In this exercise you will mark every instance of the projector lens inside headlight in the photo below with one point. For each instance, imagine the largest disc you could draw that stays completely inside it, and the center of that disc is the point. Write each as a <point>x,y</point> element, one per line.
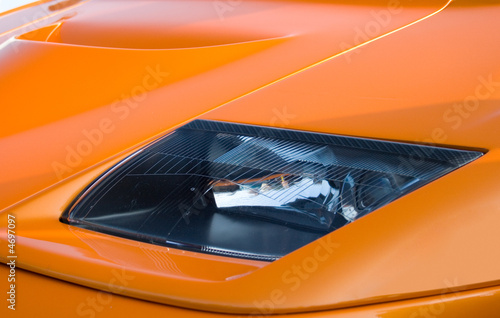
<point>253,192</point>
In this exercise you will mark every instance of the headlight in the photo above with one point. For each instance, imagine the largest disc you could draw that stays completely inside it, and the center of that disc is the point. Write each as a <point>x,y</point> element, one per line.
<point>253,192</point>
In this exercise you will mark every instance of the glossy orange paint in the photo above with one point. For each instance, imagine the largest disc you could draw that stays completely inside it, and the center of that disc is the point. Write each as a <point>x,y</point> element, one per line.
<point>86,302</point>
<point>251,46</point>
<point>90,96</point>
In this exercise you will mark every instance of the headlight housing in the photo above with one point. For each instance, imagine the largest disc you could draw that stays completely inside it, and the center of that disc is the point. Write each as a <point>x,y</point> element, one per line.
<point>250,191</point>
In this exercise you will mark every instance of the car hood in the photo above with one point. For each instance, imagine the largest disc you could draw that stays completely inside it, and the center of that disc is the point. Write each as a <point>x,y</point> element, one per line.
<point>144,68</point>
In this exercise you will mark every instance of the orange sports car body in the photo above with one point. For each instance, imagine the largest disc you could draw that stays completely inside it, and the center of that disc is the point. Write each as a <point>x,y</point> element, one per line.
<point>405,93</point>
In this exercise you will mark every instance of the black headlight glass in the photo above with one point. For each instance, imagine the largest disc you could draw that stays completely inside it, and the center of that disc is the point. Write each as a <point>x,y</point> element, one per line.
<point>253,192</point>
